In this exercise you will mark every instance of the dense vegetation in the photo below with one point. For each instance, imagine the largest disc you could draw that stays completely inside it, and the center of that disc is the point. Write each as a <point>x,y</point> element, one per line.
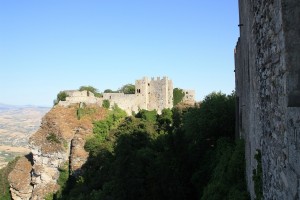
<point>184,153</point>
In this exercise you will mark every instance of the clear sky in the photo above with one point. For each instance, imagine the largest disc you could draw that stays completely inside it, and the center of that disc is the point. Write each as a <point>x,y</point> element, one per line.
<point>51,45</point>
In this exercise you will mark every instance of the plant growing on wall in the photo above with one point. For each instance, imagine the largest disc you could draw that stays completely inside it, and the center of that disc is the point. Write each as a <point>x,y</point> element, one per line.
<point>127,89</point>
<point>91,89</point>
<point>178,95</point>
<point>257,176</point>
<point>61,96</point>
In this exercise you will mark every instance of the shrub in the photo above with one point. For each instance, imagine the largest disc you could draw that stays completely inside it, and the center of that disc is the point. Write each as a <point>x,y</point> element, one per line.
<point>61,96</point>
<point>147,115</point>
<point>53,138</point>
<point>84,111</point>
<point>106,103</point>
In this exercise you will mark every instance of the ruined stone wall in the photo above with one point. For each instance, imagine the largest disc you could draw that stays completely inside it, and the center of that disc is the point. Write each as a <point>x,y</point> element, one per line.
<point>75,97</point>
<point>267,76</point>
<point>154,94</point>
<point>189,97</point>
<point>127,102</point>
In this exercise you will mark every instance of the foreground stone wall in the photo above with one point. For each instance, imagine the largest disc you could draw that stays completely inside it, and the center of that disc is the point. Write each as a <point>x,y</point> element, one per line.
<point>267,59</point>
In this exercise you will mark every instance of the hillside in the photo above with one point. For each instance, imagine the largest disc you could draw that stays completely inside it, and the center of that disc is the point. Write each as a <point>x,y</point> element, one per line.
<point>58,141</point>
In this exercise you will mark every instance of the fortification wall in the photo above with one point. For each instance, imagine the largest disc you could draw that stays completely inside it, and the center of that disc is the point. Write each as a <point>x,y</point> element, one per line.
<point>189,97</point>
<point>127,102</point>
<point>149,95</point>
<point>160,94</point>
<point>75,97</point>
<point>267,81</point>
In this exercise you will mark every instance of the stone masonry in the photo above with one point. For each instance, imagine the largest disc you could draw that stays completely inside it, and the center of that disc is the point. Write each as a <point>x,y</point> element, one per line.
<point>149,94</point>
<point>267,69</point>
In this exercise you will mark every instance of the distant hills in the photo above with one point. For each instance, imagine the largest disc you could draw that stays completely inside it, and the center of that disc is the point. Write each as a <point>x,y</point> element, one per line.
<point>8,107</point>
<point>17,124</point>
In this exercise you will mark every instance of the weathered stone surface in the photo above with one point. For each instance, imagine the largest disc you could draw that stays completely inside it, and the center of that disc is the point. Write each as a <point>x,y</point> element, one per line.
<point>19,179</point>
<point>267,83</point>
<point>51,149</point>
<point>150,94</point>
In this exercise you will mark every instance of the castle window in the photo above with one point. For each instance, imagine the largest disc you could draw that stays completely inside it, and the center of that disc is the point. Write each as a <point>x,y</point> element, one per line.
<point>109,97</point>
<point>138,90</point>
<point>148,84</point>
<point>186,92</point>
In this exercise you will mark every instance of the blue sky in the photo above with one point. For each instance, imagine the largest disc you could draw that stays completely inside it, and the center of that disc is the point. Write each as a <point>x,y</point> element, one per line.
<point>52,45</point>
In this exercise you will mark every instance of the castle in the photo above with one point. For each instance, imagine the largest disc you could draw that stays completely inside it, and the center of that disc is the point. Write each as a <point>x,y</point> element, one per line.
<point>150,94</point>
<point>267,70</point>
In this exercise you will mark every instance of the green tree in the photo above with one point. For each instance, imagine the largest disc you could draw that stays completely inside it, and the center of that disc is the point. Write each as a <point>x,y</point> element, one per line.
<point>127,89</point>
<point>109,91</point>
<point>178,95</point>
<point>61,96</point>
<point>91,89</point>
<point>147,115</point>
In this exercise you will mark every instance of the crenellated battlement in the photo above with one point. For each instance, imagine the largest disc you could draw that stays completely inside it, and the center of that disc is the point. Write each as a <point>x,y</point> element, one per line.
<point>150,94</point>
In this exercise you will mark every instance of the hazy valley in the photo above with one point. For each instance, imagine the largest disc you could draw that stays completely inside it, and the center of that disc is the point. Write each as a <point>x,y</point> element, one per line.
<point>17,123</point>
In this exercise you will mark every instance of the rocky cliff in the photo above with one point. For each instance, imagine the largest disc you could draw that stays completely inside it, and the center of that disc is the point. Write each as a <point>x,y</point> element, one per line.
<point>59,142</point>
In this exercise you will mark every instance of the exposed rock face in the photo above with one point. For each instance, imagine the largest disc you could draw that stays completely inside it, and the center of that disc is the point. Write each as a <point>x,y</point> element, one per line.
<point>268,93</point>
<point>59,141</point>
<point>20,180</point>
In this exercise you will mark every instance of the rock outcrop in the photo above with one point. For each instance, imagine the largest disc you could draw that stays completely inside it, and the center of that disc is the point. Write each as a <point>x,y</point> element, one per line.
<point>59,142</point>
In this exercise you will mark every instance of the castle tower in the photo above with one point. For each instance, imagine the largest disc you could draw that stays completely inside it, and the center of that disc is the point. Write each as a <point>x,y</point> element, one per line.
<point>160,94</point>
<point>142,93</point>
<point>154,94</point>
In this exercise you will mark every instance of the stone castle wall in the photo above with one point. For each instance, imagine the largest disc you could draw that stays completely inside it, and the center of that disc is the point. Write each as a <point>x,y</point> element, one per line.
<point>267,59</point>
<point>150,94</point>
<point>127,102</point>
<point>75,97</point>
<point>189,97</point>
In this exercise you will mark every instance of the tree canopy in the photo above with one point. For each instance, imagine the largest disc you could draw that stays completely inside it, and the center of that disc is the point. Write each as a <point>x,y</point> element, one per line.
<point>127,89</point>
<point>61,96</point>
<point>91,89</point>
<point>178,95</point>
